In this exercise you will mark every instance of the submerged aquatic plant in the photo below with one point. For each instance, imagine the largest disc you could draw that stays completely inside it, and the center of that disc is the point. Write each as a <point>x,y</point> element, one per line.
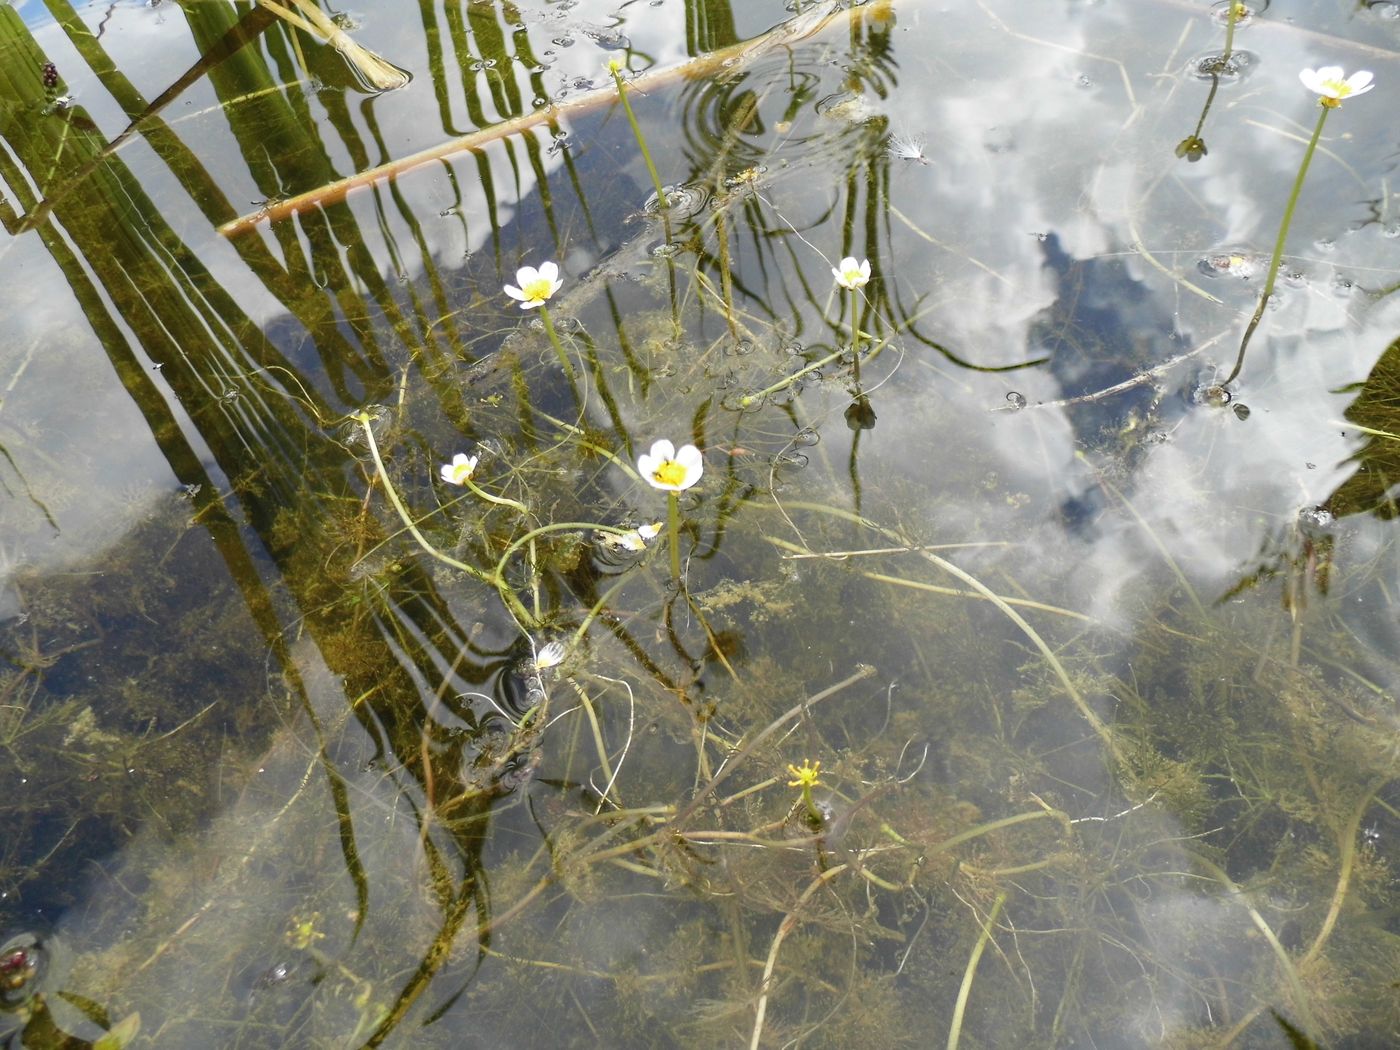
<point>534,288</point>
<point>672,471</point>
<point>1332,85</point>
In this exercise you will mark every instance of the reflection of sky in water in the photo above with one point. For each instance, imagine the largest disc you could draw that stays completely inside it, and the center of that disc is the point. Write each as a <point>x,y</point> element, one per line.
<point>1034,148</point>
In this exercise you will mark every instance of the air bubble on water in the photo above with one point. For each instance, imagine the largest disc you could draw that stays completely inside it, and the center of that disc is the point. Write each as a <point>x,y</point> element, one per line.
<point>1016,400</point>
<point>741,347</point>
<point>1241,411</point>
<point>806,437</point>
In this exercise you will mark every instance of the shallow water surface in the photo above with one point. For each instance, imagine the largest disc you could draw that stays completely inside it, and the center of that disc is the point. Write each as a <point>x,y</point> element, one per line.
<point>1028,680</point>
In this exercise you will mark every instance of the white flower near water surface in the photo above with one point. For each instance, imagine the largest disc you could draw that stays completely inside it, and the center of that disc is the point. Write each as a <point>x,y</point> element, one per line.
<point>535,286</point>
<point>461,467</point>
<point>668,469</point>
<point>1334,85</point>
<point>851,273</point>
<point>551,654</point>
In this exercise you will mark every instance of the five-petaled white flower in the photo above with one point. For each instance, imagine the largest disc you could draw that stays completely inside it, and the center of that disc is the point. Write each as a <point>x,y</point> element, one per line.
<point>852,274</point>
<point>665,468</point>
<point>461,467</point>
<point>536,286</point>
<point>1333,85</point>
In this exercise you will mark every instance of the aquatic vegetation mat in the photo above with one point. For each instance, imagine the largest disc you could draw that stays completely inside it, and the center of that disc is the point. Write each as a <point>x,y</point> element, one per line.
<point>752,540</point>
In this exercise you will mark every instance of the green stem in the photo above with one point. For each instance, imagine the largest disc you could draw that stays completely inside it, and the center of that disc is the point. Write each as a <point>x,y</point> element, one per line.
<point>726,279</point>
<point>558,346</point>
<point>673,522</point>
<point>1278,246</point>
<point>500,501</point>
<point>855,336</point>
<point>960,1007</point>
<point>497,580</point>
<point>1232,18</point>
<point>814,815</point>
<point>641,142</point>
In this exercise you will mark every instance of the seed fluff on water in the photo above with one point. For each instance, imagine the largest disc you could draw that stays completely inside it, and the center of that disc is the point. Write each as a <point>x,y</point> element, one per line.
<point>907,147</point>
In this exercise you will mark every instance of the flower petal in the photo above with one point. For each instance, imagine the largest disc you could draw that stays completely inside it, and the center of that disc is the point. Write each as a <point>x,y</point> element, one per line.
<point>514,292</point>
<point>1360,81</point>
<point>663,449</point>
<point>549,271</point>
<point>527,275</point>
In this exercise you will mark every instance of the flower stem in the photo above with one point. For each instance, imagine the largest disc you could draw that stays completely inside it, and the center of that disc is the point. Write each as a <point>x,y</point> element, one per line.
<point>1278,246</point>
<point>501,501</point>
<point>673,522</point>
<point>855,336</point>
<point>495,579</point>
<point>641,142</point>
<point>558,346</point>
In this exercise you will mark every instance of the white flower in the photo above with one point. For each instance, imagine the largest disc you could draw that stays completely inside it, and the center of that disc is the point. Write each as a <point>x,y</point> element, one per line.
<point>536,286</point>
<point>852,274</point>
<point>665,468</point>
<point>551,654</point>
<point>461,467</point>
<point>1333,85</point>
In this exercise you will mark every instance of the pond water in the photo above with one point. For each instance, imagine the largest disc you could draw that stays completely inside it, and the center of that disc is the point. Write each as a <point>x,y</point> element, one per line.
<point>1028,679</point>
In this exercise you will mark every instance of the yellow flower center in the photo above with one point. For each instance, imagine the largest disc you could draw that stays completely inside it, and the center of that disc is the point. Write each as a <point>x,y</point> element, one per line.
<point>669,473</point>
<point>538,290</point>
